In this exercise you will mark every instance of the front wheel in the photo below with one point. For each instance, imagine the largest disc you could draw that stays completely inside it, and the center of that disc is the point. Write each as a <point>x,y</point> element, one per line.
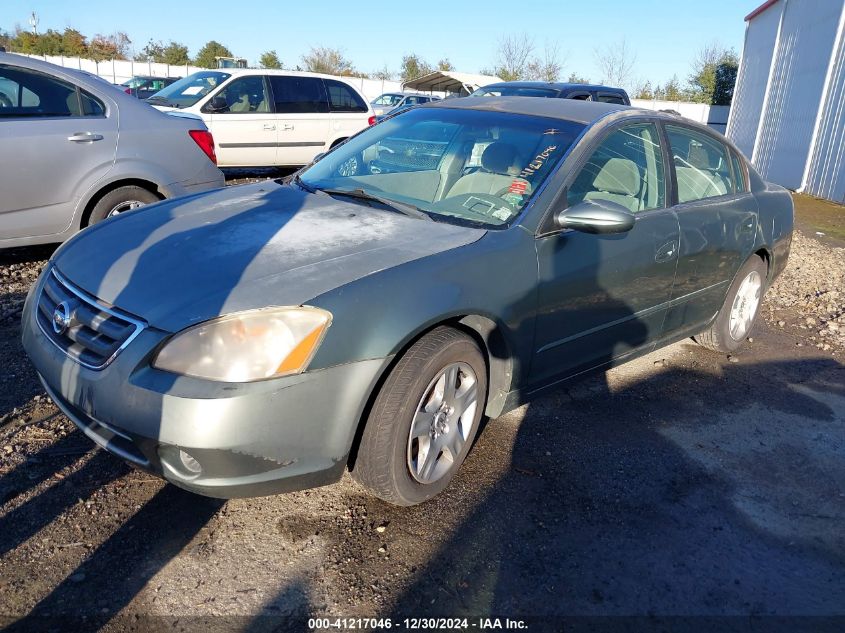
<point>736,318</point>
<point>424,419</point>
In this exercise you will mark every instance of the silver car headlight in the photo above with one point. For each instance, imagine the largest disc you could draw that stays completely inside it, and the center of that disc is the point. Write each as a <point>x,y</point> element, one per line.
<point>247,346</point>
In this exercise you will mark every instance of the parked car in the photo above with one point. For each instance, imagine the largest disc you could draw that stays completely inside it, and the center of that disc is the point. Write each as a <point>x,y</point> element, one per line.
<point>391,102</point>
<point>269,117</point>
<point>75,150</point>
<point>144,87</point>
<point>556,90</point>
<point>271,335</point>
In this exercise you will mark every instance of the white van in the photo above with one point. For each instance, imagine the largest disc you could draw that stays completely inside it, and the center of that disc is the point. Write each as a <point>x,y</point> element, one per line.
<point>262,117</point>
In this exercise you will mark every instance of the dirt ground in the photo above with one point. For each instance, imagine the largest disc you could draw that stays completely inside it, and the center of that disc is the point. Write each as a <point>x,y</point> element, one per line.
<point>685,483</point>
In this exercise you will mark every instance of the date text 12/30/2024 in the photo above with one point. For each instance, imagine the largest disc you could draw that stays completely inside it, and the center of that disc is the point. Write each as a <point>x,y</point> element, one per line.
<point>416,624</point>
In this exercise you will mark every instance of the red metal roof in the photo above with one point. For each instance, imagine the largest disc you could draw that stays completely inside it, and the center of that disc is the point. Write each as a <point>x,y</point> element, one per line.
<point>759,10</point>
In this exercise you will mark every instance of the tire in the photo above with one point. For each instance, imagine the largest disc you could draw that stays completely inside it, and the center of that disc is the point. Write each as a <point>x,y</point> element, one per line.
<point>391,461</point>
<point>119,200</point>
<point>727,335</point>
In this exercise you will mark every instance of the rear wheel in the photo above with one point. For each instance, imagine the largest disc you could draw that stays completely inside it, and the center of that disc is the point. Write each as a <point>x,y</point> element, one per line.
<point>119,200</point>
<point>738,314</point>
<point>424,420</point>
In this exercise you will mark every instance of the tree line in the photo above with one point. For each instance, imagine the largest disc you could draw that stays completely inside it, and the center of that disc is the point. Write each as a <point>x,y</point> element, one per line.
<point>517,57</point>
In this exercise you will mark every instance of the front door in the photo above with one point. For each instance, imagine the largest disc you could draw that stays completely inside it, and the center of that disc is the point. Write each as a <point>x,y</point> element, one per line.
<point>56,142</point>
<point>602,296</point>
<point>241,119</point>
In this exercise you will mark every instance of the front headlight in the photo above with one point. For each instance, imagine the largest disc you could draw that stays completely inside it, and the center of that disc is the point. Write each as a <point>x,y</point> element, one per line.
<point>247,346</point>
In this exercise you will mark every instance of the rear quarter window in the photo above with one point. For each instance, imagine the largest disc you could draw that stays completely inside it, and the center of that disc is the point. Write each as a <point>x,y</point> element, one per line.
<point>343,98</point>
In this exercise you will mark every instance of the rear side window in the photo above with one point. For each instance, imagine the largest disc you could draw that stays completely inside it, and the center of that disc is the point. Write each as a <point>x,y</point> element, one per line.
<point>28,93</point>
<point>297,95</point>
<point>702,165</point>
<point>342,98</point>
<point>610,98</point>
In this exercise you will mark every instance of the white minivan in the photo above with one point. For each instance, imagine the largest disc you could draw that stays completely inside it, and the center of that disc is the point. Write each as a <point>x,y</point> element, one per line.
<point>265,117</point>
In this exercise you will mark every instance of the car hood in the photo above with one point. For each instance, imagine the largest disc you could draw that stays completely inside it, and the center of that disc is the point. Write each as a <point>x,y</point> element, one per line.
<point>191,259</point>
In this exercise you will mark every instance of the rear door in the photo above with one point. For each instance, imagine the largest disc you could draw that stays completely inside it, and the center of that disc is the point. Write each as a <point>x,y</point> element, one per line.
<point>349,110</point>
<point>718,221</point>
<point>241,119</point>
<point>56,141</point>
<point>302,116</point>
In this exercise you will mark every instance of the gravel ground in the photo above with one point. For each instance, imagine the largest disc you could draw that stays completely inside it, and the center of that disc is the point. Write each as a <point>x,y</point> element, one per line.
<point>684,483</point>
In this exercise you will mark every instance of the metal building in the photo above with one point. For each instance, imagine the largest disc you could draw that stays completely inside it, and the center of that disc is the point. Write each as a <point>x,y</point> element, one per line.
<point>788,110</point>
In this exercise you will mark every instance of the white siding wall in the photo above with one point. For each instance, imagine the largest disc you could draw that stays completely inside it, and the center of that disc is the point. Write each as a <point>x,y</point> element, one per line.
<point>714,116</point>
<point>753,78</point>
<point>807,33</point>
<point>826,168</point>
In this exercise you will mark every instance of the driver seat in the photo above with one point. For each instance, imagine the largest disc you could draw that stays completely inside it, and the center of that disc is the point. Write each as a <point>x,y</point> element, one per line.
<point>496,160</point>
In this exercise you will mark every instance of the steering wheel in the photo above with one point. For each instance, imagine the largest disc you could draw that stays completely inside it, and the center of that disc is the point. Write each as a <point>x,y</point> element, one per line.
<point>5,102</point>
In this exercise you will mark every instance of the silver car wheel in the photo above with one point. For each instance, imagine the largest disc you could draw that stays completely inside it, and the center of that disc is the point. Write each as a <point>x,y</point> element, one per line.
<point>442,423</point>
<point>745,304</point>
<point>128,205</point>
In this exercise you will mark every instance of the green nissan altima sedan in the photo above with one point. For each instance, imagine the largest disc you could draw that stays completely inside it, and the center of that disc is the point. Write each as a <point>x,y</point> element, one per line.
<point>446,264</point>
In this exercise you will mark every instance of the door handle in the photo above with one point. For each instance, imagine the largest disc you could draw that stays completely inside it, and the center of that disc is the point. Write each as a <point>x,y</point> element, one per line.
<point>84,137</point>
<point>269,126</point>
<point>287,126</point>
<point>666,253</point>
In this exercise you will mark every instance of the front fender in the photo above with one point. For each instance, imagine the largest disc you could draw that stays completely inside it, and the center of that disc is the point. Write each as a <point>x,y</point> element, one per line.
<point>493,279</point>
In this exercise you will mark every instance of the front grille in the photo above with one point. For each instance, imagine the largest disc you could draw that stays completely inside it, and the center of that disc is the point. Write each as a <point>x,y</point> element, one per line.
<point>81,326</point>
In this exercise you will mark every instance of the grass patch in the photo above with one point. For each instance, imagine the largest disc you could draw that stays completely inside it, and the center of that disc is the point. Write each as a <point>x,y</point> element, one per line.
<point>816,214</point>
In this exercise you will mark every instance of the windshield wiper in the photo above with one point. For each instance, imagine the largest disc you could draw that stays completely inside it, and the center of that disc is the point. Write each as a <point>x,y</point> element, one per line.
<point>395,205</point>
<point>302,185</point>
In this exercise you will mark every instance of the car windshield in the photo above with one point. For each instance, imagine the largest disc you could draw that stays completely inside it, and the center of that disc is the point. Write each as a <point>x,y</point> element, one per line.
<point>463,166</point>
<point>388,100</point>
<point>514,91</point>
<point>136,82</point>
<point>186,92</point>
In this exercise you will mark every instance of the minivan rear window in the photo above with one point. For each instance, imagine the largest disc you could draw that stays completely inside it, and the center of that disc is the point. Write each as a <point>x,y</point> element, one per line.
<point>342,98</point>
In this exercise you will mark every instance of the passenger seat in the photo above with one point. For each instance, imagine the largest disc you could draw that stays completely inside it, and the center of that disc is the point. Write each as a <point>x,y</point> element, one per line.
<point>493,178</point>
<point>618,181</point>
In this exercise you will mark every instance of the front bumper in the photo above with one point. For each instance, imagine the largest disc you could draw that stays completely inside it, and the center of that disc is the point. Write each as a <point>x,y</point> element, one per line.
<point>247,439</point>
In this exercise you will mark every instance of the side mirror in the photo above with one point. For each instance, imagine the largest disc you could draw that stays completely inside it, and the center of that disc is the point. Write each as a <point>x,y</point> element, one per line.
<point>318,157</point>
<point>596,216</point>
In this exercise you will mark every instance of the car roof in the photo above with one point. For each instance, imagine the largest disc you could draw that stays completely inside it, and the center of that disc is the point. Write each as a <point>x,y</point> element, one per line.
<point>555,85</point>
<point>276,71</point>
<point>585,112</point>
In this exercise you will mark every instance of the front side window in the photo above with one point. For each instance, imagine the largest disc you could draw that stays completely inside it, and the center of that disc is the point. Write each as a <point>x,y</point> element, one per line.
<point>461,166</point>
<point>242,96</point>
<point>189,90</point>
<point>28,93</point>
<point>626,168</point>
<point>294,94</point>
<point>702,166</point>
<point>342,98</point>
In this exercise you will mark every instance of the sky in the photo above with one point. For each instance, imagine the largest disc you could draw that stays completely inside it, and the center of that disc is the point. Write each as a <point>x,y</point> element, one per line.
<point>664,35</point>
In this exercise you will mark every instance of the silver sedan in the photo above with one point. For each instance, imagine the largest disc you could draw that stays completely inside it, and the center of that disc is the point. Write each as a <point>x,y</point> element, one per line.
<point>74,150</point>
